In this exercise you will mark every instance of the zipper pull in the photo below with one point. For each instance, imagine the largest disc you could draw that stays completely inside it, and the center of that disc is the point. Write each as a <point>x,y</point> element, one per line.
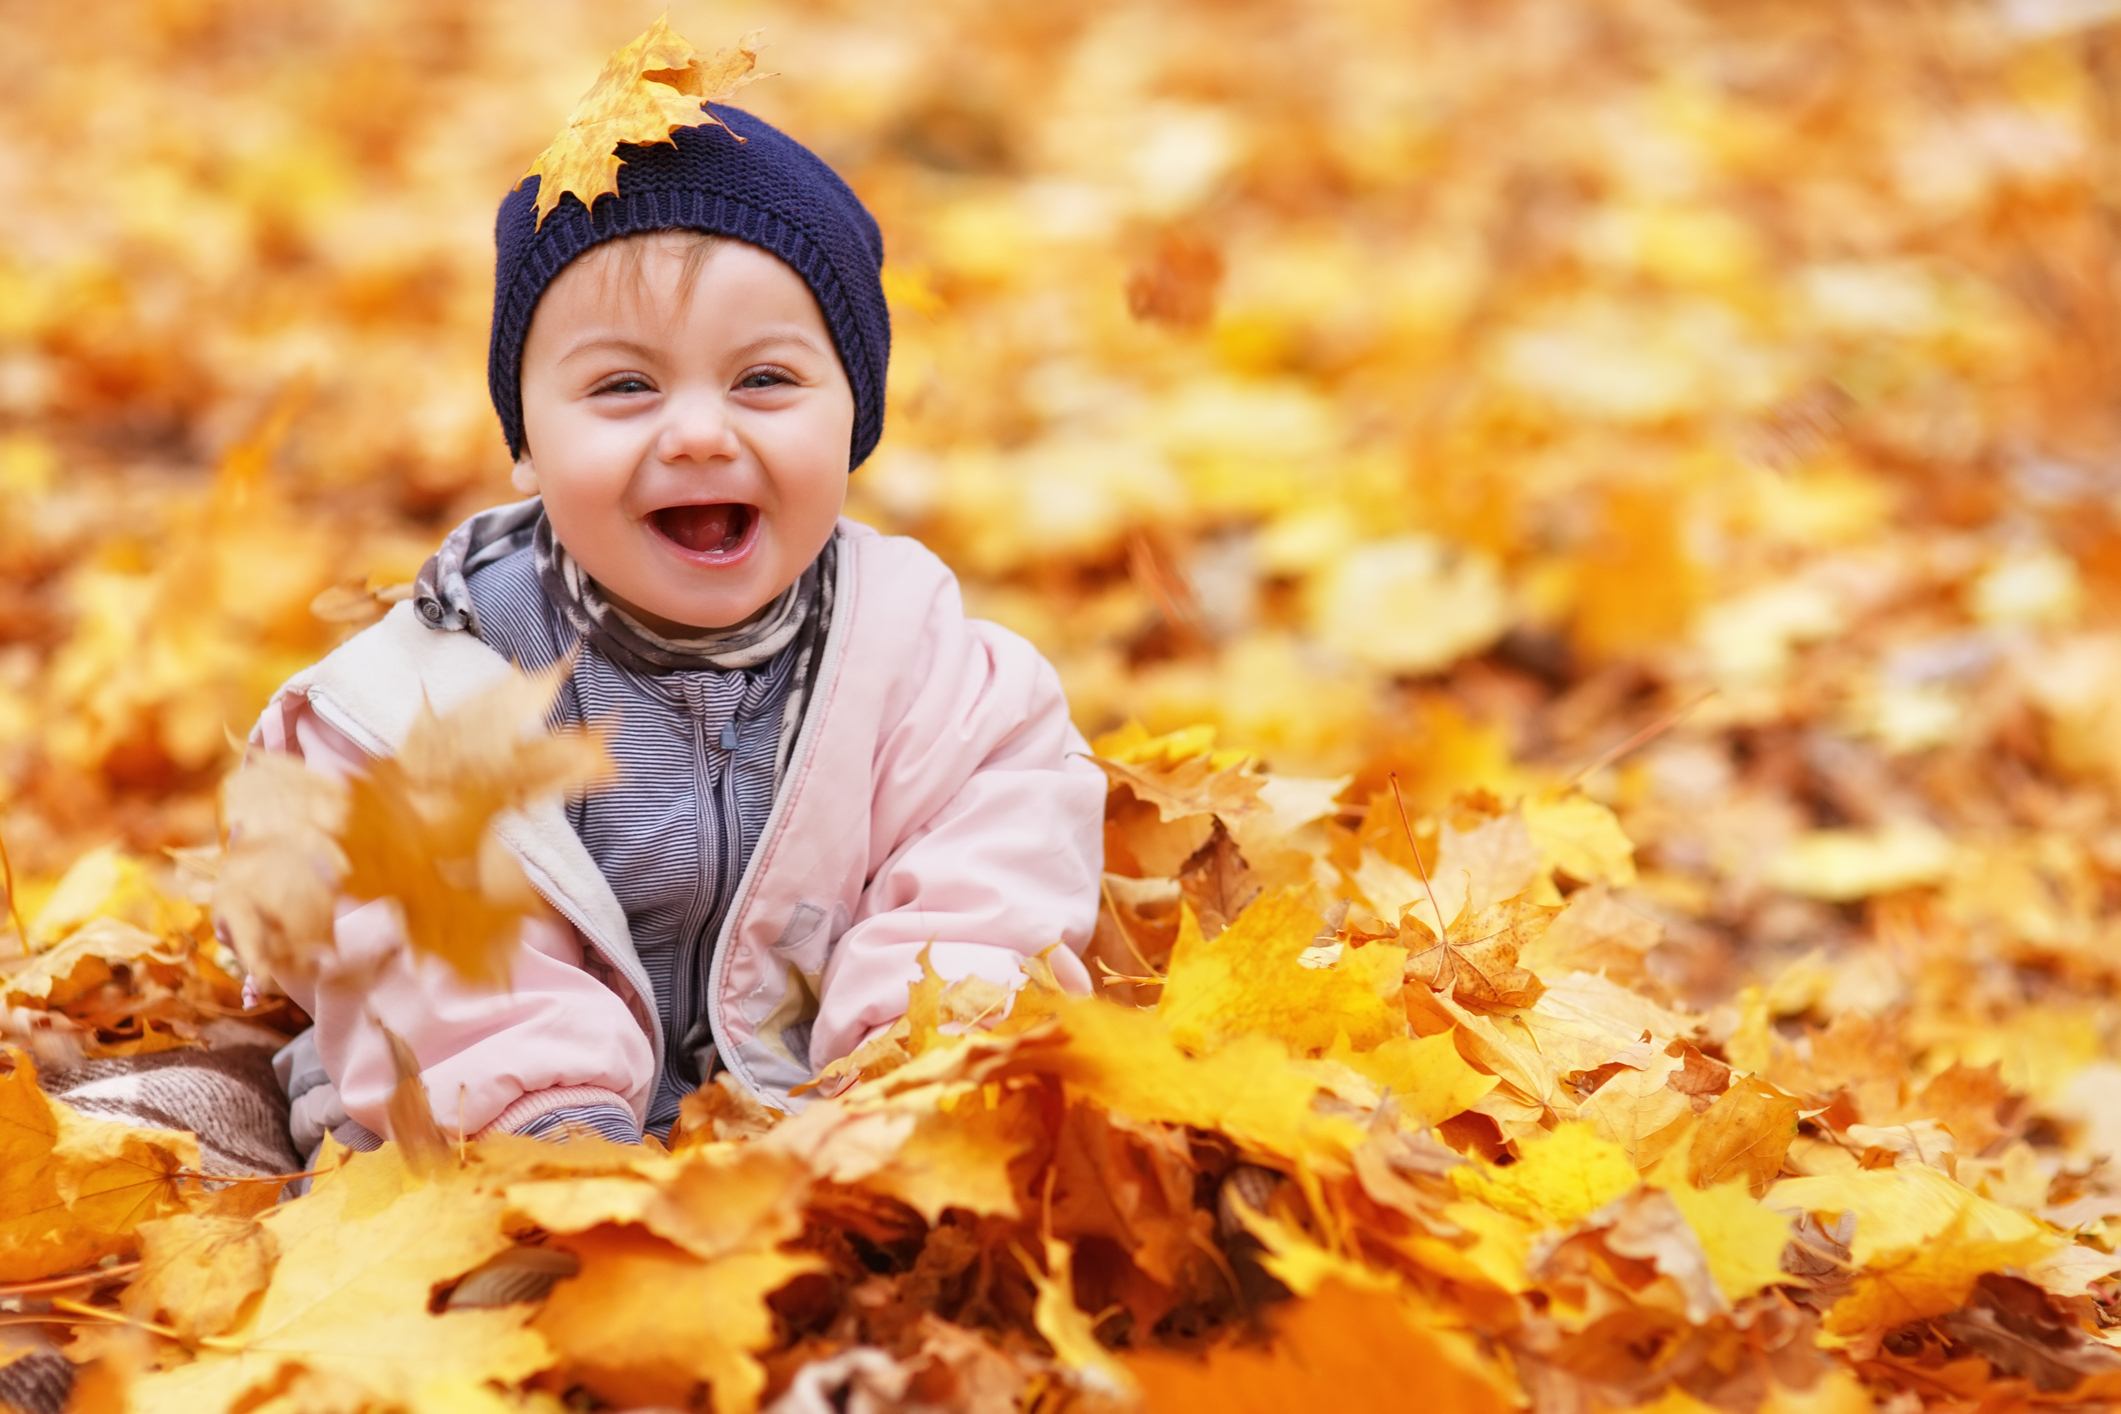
<point>729,735</point>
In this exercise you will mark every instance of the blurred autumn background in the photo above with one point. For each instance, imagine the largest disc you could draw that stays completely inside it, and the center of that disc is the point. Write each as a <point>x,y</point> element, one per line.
<point>1449,388</point>
<point>1713,406</point>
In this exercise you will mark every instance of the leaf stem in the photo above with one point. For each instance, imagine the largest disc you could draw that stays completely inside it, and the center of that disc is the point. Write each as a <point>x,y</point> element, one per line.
<point>7,881</point>
<point>1126,934</point>
<point>71,1279</point>
<point>1648,734</point>
<point>1443,925</point>
<point>85,1312</point>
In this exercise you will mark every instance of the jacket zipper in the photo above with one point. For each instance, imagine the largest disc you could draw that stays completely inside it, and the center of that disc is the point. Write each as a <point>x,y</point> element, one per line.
<point>798,759</point>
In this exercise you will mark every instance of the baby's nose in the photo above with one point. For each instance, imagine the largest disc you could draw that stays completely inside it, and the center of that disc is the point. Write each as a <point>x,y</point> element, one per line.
<point>696,427</point>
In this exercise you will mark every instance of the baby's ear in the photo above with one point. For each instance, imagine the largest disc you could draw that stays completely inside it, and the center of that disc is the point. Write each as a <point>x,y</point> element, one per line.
<point>525,477</point>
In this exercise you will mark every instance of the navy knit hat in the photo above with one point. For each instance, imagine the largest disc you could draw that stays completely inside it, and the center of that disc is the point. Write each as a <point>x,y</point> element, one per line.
<point>769,191</point>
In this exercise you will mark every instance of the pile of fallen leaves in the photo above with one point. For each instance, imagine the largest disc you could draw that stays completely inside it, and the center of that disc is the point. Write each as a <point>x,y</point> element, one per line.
<point>1450,1130</point>
<point>1608,519</point>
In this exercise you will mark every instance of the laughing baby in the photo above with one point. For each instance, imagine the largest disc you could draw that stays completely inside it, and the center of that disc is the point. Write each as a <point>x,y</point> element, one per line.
<point>823,766</point>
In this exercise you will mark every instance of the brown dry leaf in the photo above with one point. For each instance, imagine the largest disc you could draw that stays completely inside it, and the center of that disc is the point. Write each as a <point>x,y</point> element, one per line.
<point>55,977</point>
<point>1133,1184</point>
<point>1744,1135</point>
<point>1196,785</point>
<point>419,828</point>
<point>1218,882</point>
<point>1637,1108</point>
<point>1176,283</point>
<point>1649,1226</point>
<point>649,87</point>
<point>2026,1335</point>
<point>720,1111</point>
<point>411,1118</point>
<point>1475,961</point>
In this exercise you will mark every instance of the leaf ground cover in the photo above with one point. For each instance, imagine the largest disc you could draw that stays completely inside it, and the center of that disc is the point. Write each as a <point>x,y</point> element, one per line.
<point>1586,538</point>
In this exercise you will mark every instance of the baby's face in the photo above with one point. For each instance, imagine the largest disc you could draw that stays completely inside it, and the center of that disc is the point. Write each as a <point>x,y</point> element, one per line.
<point>691,445</point>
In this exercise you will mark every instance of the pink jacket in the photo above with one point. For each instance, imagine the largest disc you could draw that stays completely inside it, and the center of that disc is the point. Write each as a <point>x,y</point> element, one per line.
<point>937,796</point>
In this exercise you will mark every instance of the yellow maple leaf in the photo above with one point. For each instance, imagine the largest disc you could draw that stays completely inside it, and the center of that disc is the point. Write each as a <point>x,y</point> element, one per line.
<point>1125,1061</point>
<point>1192,786</point>
<point>644,1322</point>
<point>924,1007</point>
<point>67,970</point>
<point>1562,1177</point>
<point>1921,1241</point>
<point>656,83</point>
<point>960,1157</point>
<point>105,883</point>
<point>1743,1240</point>
<point>1071,1332</point>
<point>1637,1108</point>
<point>1581,838</point>
<point>1132,745</point>
<point>1426,1074</point>
<point>419,826</point>
<point>711,1202</point>
<point>280,875</point>
<point>197,1271</point>
<point>360,1258</point>
<point>1835,1392</point>
<point>77,1188</point>
<point>1248,981</point>
<point>1344,1346</point>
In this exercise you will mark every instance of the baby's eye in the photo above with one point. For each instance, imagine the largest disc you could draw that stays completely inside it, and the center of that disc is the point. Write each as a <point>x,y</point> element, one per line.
<point>626,383</point>
<point>762,378</point>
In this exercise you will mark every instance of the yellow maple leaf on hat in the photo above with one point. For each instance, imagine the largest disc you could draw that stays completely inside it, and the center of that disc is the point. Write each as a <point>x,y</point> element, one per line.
<point>650,87</point>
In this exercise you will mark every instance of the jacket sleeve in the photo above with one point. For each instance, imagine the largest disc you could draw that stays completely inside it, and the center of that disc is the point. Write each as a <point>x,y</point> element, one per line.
<point>987,829</point>
<point>556,1052</point>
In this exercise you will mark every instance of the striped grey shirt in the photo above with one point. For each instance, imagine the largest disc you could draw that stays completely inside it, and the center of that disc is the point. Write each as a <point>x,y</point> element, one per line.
<point>698,753</point>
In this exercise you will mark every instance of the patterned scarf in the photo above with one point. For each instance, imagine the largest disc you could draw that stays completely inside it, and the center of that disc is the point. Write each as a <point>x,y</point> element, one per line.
<point>443,600</point>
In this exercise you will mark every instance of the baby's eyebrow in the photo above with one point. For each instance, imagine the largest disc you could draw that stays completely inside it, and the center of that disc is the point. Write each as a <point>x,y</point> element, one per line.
<point>608,343</point>
<point>616,343</point>
<point>780,336</point>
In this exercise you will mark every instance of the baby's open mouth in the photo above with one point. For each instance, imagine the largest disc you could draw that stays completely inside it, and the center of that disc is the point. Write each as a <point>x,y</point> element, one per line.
<point>719,529</point>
